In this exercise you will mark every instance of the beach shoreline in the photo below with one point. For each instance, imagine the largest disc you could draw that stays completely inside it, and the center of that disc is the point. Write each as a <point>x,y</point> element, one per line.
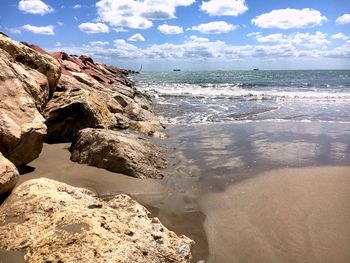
<point>204,171</point>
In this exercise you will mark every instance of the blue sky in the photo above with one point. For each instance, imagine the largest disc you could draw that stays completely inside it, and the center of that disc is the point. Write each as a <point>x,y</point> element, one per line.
<point>188,34</point>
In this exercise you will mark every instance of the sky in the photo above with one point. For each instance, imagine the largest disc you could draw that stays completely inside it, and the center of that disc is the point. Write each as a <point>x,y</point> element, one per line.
<point>188,34</point>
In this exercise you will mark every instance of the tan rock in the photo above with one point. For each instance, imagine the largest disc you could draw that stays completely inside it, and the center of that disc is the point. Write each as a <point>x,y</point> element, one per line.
<point>118,152</point>
<point>43,63</point>
<point>8,175</point>
<point>55,222</point>
<point>143,120</point>
<point>22,127</point>
<point>75,108</point>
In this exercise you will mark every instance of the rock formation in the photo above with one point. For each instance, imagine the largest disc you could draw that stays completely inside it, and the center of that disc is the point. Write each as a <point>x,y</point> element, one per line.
<point>73,108</point>
<point>61,223</point>
<point>25,55</point>
<point>65,98</point>
<point>118,152</point>
<point>8,175</point>
<point>24,93</point>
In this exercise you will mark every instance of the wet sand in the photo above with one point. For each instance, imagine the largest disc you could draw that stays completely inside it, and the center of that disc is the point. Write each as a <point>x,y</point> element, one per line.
<point>230,189</point>
<point>285,215</point>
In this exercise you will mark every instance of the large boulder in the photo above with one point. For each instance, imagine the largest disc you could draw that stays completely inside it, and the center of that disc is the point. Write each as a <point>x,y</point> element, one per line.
<point>54,222</point>
<point>72,108</point>
<point>23,93</point>
<point>43,63</point>
<point>118,152</point>
<point>8,175</point>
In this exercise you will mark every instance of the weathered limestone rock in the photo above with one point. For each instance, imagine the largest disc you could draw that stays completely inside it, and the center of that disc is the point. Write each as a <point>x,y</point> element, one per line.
<point>8,175</point>
<point>55,222</point>
<point>74,108</point>
<point>33,59</point>
<point>143,120</point>
<point>22,127</point>
<point>118,152</point>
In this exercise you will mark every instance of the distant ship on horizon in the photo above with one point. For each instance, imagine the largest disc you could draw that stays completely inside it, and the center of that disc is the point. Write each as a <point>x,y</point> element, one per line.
<point>176,69</point>
<point>256,69</point>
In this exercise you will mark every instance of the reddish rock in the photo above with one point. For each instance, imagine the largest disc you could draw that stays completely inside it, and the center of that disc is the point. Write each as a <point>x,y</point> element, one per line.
<point>76,61</point>
<point>39,49</point>
<point>97,76</point>
<point>84,59</point>
<point>69,65</point>
<point>59,55</point>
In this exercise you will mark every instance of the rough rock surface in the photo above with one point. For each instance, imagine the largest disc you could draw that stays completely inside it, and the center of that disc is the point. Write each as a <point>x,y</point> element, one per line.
<point>55,222</point>
<point>73,108</point>
<point>8,175</point>
<point>108,85</point>
<point>33,59</point>
<point>118,152</point>
<point>23,93</point>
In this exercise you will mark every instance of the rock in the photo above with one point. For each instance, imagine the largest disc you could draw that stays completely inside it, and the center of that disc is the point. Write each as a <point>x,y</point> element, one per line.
<point>143,120</point>
<point>75,108</point>
<point>8,175</point>
<point>97,76</point>
<point>23,93</point>
<point>33,59</point>
<point>152,127</point>
<point>83,78</point>
<point>54,222</point>
<point>122,122</point>
<point>118,152</point>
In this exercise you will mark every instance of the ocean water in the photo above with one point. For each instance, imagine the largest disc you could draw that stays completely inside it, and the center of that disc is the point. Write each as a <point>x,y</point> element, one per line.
<point>233,96</point>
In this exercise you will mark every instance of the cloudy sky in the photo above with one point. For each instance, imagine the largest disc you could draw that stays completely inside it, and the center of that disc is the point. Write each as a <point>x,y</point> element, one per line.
<point>188,34</point>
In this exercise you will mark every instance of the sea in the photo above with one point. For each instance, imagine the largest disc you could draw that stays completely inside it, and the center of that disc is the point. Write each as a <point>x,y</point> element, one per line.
<point>190,97</point>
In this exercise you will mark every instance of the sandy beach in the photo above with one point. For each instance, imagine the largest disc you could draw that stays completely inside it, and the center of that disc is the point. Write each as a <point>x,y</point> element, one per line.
<point>285,215</point>
<point>234,194</point>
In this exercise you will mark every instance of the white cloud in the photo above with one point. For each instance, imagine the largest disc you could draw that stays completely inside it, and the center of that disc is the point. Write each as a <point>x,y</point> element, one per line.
<point>36,7</point>
<point>42,30</point>
<point>136,38</point>
<point>290,18</point>
<point>298,39</point>
<point>93,28</point>
<point>310,40</point>
<point>224,7</point>
<point>198,39</point>
<point>170,30</point>
<point>204,49</point>
<point>137,14</point>
<point>217,27</point>
<point>271,38</point>
<point>76,6</point>
<point>344,19</point>
<point>99,43</point>
<point>340,36</point>
<point>125,50</point>
<point>60,23</point>
<point>253,34</point>
<point>119,29</point>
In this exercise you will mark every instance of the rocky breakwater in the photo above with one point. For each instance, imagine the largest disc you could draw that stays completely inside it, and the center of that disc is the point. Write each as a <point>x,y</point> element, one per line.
<point>56,97</point>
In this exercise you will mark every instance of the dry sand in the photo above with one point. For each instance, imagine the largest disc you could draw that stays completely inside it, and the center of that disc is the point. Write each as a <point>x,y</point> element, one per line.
<point>286,215</point>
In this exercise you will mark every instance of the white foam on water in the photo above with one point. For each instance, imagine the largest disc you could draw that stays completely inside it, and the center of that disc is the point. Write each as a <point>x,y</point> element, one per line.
<point>237,91</point>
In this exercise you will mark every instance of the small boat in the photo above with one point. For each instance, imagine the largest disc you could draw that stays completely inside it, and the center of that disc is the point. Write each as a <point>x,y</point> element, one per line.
<point>176,69</point>
<point>256,69</point>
